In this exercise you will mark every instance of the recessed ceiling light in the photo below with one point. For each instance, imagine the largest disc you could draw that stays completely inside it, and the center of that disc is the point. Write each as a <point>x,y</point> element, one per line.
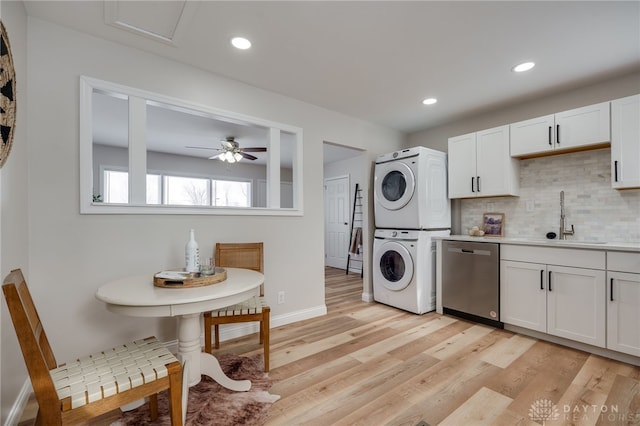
<point>430,101</point>
<point>525,66</point>
<point>240,43</point>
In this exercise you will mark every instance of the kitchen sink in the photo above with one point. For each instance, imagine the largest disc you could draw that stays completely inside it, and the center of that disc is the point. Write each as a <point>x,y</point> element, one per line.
<point>578,242</point>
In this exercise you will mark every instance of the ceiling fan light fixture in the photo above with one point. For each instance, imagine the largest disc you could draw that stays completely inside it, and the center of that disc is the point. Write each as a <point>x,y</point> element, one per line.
<point>231,152</point>
<point>241,43</point>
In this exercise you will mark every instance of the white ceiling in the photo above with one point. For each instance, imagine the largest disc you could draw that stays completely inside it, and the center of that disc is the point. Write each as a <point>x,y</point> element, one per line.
<point>377,60</point>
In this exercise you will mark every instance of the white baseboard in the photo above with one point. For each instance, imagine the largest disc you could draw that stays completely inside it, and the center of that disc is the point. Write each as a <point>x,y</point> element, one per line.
<point>367,297</point>
<point>21,402</point>
<point>232,331</point>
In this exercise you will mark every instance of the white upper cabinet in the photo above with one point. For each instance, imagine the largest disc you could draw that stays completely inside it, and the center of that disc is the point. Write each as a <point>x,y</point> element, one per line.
<point>462,166</point>
<point>533,136</point>
<point>565,131</point>
<point>625,142</point>
<point>480,165</point>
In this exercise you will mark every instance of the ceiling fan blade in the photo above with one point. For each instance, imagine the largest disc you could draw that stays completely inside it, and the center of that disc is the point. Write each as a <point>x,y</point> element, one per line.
<point>248,156</point>
<point>203,147</point>
<point>256,149</point>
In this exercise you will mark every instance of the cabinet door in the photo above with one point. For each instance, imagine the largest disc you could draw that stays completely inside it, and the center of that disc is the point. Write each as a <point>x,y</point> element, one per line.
<point>497,172</point>
<point>625,142</point>
<point>623,312</point>
<point>576,304</point>
<point>583,126</point>
<point>533,136</point>
<point>523,295</point>
<point>462,166</point>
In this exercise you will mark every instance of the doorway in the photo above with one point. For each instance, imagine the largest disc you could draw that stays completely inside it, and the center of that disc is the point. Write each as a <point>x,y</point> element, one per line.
<point>336,221</point>
<point>347,167</point>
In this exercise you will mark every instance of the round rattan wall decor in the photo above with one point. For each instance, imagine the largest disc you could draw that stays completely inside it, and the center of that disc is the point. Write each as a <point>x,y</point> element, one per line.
<point>7,96</point>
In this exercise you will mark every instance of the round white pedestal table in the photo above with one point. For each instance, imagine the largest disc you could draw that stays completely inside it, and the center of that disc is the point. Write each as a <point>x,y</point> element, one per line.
<point>137,296</point>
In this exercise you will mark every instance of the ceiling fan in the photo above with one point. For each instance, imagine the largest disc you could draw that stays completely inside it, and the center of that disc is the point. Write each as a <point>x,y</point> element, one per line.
<point>231,152</point>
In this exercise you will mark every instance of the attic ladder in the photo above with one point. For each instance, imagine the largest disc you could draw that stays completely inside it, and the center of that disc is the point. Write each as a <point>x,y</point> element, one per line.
<point>356,222</point>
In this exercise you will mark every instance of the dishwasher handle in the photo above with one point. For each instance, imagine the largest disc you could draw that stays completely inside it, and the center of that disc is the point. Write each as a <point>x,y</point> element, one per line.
<point>469,251</point>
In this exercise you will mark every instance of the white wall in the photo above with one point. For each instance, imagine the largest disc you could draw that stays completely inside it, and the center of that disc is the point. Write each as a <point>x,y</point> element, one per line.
<point>71,255</point>
<point>464,211</point>
<point>14,227</point>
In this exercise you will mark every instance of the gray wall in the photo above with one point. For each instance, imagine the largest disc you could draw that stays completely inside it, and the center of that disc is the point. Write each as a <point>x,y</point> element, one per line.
<point>14,212</point>
<point>70,255</point>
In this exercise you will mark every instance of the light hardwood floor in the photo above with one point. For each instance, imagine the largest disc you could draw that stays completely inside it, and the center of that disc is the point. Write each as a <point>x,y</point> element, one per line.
<point>370,364</point>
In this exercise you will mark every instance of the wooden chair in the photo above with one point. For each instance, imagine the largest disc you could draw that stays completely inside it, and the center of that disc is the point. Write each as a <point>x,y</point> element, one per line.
<point>240,255</point>
<point>95,384</point>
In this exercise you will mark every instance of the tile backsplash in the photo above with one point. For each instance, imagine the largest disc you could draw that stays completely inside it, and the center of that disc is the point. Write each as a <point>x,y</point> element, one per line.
<point>597,211</point>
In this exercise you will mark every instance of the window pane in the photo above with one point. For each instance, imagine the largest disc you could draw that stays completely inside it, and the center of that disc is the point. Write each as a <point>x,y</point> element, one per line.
<point>186,191</point>
<point>116,187</point>
<point>287,166</point>
<point>231,194</point>
<point>153,189</point>
<point>110,142</point>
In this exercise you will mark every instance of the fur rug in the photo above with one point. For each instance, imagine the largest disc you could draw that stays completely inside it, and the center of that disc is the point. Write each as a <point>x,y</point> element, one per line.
<point>211,404</point>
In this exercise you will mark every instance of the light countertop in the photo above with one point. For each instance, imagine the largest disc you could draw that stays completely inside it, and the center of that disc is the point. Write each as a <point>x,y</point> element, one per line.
<point>581,244</point>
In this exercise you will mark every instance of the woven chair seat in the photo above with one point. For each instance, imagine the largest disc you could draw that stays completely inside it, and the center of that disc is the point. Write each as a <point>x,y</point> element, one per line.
<point>248,307</point>
<point>103,374</point>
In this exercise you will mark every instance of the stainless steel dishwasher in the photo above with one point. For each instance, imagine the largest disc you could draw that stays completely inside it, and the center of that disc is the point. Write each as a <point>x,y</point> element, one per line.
<point>471,281</point>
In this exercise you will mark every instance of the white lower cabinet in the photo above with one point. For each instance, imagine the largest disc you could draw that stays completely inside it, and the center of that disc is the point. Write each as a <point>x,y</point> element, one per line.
<point>523,295</point>
<point>559,300</point>
<point>623,303</point>
<point>576,304</point>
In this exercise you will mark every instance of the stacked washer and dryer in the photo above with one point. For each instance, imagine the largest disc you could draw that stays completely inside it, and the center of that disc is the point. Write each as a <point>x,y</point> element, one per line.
<point>411,206</point>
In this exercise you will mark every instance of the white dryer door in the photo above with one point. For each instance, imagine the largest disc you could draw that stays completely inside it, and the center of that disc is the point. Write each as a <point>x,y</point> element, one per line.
<point>394,185</point>
<point>393,265</point>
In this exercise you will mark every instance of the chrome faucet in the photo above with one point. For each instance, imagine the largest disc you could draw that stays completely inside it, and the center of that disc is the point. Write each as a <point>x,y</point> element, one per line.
<point>563,232</point>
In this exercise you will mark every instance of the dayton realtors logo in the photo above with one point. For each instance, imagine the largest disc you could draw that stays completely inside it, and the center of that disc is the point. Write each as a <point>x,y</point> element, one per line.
<point>544,410</point>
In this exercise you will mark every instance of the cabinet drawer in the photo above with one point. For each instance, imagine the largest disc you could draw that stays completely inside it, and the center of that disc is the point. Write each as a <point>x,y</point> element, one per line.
<point>590,259</point>
<point>623,262</point>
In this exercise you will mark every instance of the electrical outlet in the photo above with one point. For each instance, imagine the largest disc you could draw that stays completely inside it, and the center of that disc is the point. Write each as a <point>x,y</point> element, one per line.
<point>529,205</point>
<point>280,297</point>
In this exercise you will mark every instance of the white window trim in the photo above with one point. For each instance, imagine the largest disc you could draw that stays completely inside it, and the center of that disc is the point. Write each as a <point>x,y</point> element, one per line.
<point>87,206</point>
